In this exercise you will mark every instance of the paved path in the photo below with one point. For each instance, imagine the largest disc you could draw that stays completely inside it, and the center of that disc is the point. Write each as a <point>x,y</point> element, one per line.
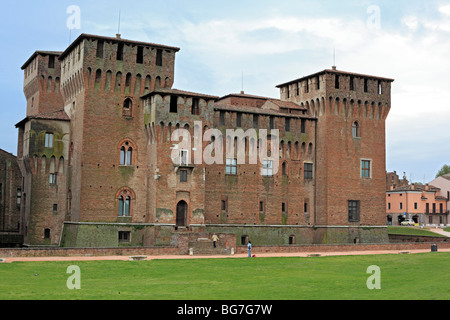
<point>262,255</point>
<point>440,231</point>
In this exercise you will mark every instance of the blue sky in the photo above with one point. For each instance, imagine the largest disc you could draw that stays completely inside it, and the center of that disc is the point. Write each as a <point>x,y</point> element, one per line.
<point>271,42</point>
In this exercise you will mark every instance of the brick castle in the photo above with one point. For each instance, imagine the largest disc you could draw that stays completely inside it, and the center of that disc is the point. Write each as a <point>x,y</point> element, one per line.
<point>95,151</point>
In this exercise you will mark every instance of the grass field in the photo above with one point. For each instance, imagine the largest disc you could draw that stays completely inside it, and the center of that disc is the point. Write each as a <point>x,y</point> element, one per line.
<point>410,231</point>
<point>403,277</point>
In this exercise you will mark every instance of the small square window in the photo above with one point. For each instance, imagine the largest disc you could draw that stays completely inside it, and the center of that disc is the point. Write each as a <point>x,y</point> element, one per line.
<point>124,236</point>
<point>268,168</point>
<point>366,168</point>
<point>309,167</point>
<point>183,176</point>
<point>231,167</point>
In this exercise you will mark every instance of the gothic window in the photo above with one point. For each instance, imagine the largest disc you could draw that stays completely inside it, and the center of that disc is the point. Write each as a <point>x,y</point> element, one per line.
<point>284,169</point>
<point>124,200</point>
<point>126,154</point>
<point>356,130</point>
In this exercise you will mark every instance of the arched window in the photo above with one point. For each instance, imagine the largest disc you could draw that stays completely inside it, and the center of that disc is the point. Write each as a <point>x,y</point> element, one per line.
<point>125,197</point>
<point>356,130</point>
<point>126,156</point>
<point>121,205</point>
<point>284,169</point>
<point>127,108</point>
<point>49,84</point>
<point>127,149</point>
<point>124,206</point>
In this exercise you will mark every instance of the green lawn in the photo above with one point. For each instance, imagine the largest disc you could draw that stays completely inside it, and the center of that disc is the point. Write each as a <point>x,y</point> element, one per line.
<point>412,231</point>
<point>403,277</point>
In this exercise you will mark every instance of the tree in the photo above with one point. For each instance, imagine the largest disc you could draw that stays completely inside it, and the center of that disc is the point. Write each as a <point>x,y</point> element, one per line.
<point>444,170</point>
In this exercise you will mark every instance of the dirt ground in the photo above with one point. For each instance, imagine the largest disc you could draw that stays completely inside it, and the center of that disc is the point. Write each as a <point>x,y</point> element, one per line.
<point>172,257</point>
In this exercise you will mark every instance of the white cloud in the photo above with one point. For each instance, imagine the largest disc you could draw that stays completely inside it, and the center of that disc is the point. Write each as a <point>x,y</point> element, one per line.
<point>445,9</point>
<point>411,22</point>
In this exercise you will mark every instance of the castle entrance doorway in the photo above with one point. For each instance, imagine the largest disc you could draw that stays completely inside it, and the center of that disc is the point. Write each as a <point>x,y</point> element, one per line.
<point>182,208</point>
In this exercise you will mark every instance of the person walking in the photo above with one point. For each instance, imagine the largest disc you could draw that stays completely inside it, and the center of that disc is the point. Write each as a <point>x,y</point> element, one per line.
<point>249,247</point>
<point>215,238</point>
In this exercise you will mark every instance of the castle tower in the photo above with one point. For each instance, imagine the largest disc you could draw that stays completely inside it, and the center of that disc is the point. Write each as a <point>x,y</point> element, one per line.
<point>350,169</point>
<point>103,80</point>
<point>43,150</point>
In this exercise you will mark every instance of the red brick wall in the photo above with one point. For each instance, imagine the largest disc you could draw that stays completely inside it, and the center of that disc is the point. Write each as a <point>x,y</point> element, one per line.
<point>339,154</point>
<point>171,250</point>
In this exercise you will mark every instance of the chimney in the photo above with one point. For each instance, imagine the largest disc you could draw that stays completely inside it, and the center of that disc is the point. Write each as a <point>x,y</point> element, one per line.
<point>333,68</point>
<point>118,35</point>
<point>427,187</point>
<point>412,186</point>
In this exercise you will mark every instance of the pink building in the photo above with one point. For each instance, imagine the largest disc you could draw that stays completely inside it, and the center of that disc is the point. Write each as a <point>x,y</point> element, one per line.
<point>443,183</point>
<point>423,204</point>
